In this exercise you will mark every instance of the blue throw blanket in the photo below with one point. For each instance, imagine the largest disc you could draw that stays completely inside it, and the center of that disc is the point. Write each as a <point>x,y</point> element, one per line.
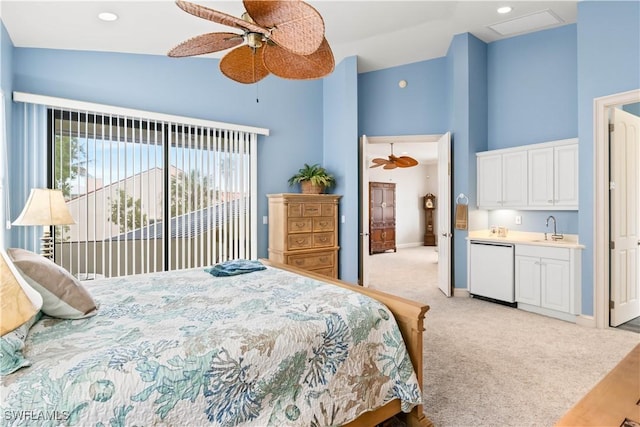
<point>235,267</point>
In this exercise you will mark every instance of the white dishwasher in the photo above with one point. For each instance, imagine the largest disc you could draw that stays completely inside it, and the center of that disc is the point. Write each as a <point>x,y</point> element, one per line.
<point>491,271</point>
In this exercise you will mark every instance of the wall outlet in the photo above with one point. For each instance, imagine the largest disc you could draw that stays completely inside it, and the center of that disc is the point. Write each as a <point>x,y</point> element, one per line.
<point>265,219</point>
<point>518,219</point>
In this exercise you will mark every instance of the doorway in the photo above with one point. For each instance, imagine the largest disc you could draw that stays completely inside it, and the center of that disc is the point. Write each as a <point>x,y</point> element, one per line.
<point>417,146</point>
<point>605,288</point>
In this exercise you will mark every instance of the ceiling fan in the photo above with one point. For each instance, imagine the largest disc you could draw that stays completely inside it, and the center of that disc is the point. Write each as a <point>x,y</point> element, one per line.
<point>394,162</point>
<point>284,38</point>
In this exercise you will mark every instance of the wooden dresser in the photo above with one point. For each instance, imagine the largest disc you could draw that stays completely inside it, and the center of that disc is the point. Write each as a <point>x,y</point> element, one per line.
<point>303,231</point>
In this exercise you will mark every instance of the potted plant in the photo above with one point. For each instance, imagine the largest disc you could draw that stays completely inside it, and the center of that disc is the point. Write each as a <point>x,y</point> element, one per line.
<point>313,179</point>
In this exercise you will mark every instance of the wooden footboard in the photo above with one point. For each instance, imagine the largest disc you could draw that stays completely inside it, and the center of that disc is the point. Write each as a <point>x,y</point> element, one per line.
<point>410,318</point>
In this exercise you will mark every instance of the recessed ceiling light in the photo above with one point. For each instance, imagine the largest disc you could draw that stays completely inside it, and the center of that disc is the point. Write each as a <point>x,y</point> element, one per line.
<point>504,9</point>
<point>107,16</point>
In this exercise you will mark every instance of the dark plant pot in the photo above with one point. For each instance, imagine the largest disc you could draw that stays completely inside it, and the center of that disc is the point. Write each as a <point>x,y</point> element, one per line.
<point>307,187</point>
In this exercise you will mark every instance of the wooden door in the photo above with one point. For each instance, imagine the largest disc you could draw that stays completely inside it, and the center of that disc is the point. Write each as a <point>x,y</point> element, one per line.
<point>382,217</point>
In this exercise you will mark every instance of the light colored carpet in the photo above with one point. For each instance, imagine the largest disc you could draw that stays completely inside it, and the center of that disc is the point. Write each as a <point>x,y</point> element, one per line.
<point>492,365</point>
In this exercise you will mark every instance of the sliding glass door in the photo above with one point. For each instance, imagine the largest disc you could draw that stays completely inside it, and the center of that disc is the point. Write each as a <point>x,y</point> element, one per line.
<point>149,195</point>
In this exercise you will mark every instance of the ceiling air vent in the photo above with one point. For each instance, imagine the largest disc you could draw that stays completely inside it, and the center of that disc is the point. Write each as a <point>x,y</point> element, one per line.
<point>527,23</point>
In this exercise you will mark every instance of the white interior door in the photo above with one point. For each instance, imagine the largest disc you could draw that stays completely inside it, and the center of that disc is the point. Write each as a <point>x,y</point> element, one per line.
<point>625,208</point>
<point>444,214</point>
<point>364,217</point>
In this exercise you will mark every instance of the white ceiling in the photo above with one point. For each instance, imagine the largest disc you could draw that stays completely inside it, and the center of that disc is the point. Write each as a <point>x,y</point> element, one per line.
<point>382,34</point>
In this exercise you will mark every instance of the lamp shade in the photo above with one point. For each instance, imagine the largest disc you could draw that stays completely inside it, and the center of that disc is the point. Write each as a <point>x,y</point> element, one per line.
<point>45,207</point>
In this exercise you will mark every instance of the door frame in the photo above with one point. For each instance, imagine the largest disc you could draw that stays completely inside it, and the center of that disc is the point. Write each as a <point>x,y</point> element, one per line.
<point>363,202</point>
<point>601,202</point>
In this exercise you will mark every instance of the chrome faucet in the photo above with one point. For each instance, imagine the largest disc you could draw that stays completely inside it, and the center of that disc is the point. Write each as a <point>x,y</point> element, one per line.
<point>555,235</point>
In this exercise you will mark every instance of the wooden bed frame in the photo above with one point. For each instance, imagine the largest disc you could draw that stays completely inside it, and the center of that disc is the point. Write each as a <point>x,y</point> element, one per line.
<point>410,318</point>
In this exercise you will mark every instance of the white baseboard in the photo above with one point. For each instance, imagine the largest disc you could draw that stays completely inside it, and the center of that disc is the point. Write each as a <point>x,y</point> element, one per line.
<point>461,292</point>
<point>586,321</point>
<point>547,312</point>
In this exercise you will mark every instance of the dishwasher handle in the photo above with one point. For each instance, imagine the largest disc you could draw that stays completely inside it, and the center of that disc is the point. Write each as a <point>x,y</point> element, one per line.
<point>503,245</point>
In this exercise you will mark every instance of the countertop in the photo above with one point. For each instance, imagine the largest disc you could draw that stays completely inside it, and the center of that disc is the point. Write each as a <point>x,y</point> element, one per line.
<point>527,238</point>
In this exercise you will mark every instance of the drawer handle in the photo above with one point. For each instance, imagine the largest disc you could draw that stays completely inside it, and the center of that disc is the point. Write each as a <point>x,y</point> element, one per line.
<point>323,239</point>
<point>323,223</point>
<point>323,259</point>
<point>300,241</point>
<point>300,224</point>
<point>299,262</point>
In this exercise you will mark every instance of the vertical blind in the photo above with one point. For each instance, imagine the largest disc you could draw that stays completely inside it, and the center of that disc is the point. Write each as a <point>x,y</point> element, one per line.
<point>150,195</point>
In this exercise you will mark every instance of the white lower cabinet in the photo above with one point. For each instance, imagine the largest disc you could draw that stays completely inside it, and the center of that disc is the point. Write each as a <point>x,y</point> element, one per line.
<point>548,280</point>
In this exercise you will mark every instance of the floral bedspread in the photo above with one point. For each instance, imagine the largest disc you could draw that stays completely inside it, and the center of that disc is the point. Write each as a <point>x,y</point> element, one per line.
<point>268,348</point>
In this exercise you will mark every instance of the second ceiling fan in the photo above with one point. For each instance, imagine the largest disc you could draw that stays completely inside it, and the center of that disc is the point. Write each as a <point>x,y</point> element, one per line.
<point>393,161</point>
<point>284,38</point>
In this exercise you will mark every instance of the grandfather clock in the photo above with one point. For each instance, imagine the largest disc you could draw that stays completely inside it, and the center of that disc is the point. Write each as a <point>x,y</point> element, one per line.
<point>429,207</point>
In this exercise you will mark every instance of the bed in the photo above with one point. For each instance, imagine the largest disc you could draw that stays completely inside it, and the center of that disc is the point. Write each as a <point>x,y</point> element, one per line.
<point>274,347</point>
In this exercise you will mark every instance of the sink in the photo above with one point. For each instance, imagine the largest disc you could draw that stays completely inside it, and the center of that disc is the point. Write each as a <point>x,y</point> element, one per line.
<point>559,242</point>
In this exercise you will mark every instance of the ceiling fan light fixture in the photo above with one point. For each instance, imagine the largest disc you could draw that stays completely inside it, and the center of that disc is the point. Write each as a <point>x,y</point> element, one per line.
<point>254,40</point>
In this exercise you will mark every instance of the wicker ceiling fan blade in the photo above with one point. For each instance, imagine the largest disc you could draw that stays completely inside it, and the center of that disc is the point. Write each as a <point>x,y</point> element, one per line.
<point>294,24</point>
<point>244,65</point>
<point>405,161</point>
<point>379,162</point>
<point>206,43</point>
<point>219,17</point>
<point>288,65</point>
<point>390,166</point>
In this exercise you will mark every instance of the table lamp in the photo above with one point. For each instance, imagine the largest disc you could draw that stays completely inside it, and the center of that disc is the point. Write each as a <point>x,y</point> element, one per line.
<point>45,207</point>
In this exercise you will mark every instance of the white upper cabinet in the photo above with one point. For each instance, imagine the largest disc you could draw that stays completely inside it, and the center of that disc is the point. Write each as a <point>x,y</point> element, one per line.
<point>553,176</point>
<point>502,180</point>
<point>565,172</point>
<point>538,176</point>
<point>490,181</point>
<point>514,179</point>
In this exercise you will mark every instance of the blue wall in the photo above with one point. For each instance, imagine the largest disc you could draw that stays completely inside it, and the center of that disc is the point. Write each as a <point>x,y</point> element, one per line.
<point>533,97</point>
<point>467,83</point>
<point>533,94</point>
<point>6,84</point>
<point>193,87</point>
<point>340,97</point>
<point>608,63</point>
<point>384,109</point>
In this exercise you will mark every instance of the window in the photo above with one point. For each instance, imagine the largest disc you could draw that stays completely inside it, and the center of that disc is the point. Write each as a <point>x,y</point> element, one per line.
<point>150,195</point>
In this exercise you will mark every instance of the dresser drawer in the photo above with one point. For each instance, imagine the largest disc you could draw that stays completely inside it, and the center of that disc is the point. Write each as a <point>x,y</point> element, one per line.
<point>314,261</point>
<point>294,210</point>
<point>299,241</point>
<point>328,209</point>
<point>299,225</point>
<point>323,224</point>
<point>311,209</point>
<point>323,240</point>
